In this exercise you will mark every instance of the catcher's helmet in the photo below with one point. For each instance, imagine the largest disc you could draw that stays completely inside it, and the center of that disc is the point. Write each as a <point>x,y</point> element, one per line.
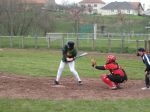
<point>110,59</point>
<point>70,44</point>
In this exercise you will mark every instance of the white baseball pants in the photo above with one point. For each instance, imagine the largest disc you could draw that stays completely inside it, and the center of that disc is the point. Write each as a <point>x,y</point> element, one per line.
<point>71,67</point>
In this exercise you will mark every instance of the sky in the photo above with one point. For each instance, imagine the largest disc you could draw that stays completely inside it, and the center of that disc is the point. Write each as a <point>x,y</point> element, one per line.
<point>146,2</point>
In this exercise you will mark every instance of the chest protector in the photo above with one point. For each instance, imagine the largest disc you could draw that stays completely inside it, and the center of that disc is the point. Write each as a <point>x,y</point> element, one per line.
<point>115,69</point>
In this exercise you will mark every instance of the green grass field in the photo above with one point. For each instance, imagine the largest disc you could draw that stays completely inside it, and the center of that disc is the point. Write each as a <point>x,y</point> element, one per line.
<point>75,106</point>
<point>44,63</point>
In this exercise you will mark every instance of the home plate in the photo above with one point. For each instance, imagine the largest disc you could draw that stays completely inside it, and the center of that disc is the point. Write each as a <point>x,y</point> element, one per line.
<point>58,86</point>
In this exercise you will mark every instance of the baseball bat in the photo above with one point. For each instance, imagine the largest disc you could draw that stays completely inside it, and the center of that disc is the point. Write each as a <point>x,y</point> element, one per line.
<point>83,54</point>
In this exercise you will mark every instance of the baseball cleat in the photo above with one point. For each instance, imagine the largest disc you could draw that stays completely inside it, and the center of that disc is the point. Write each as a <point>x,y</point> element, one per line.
<point>145,88</point>
<point>56,82</point>
<point>80,82</point>
<point>113,88</point>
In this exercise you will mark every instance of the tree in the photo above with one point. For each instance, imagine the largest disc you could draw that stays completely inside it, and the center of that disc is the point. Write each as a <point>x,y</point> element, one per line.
<point>50,5</point>
<point>46,22</point>
<point>17,16</point>
<point>46,19</point>
<point>75,12</point>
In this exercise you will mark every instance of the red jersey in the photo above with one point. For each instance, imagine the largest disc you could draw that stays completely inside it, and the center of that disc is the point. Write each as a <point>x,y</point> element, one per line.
<point>114,69</point>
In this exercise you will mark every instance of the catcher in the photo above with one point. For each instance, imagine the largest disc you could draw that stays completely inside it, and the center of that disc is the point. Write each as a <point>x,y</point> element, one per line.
<point>69,54</point>
<point>146,60</point>
<point>117,74</point>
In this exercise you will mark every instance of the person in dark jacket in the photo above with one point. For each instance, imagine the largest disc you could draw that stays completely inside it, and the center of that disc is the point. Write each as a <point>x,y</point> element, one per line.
<point>146,60</point>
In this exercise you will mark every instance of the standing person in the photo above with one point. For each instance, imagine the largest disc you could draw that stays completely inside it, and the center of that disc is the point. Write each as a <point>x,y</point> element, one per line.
<point>69,53</point>
<point>146,60</point>
<point>117,74</point>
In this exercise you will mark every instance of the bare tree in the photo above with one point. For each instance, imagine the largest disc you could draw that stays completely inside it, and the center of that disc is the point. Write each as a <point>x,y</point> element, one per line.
<point>75,12</point>
<point>17,16</point>
<point>50,5</point>
<point>46,22</point>
<point>46,19</point>
<point>121,17</point>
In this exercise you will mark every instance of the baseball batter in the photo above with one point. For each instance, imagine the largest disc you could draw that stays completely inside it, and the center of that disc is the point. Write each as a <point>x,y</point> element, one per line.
<point>117,74</point>
<point>69,53</point>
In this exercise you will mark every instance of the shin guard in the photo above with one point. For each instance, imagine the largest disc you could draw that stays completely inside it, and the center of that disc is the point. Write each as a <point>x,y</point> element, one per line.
<point>107,81</point>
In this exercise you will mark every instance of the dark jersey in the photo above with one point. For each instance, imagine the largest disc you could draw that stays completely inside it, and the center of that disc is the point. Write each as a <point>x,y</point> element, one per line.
<point>146,61</point>
<point>67,53</point>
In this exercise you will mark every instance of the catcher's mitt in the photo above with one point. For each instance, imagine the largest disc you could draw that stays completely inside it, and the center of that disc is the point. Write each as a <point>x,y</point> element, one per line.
<point>93,62</point>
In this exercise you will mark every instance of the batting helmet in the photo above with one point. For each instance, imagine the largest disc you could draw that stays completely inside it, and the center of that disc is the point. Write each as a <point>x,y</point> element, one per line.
<point>110,58</point>
<point>141,49</point>
<point>70,44</point>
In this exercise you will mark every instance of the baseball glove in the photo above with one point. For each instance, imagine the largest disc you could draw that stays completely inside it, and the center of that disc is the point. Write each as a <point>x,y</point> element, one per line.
<point>93,62</point>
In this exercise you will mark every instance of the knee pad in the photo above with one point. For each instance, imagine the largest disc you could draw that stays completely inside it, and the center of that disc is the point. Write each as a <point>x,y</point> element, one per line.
<point>103,76</point>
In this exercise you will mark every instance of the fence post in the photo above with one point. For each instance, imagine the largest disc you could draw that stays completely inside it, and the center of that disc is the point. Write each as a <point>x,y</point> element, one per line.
<point>49,41</point>
<point>22,42</point>
<point>145,45</point>
<point>93,43</point>
<point>0,42</point>
<point>63,40</point>
<point>109,43</point>
<point>148,45</point>
<point>122,44</point>
<point>10,42</point>
<point>77,41</point>
<point>137,44</point>
<point>36,39</point>
<point>67,37</point>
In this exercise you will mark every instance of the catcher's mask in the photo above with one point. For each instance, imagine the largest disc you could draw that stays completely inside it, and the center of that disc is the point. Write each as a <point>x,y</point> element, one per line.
<point>70,45</point>
<point>140,51</point>
<point>110,59</point>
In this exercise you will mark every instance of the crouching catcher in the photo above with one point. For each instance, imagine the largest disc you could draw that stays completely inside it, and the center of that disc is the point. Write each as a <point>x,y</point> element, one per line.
<point>117,74</point>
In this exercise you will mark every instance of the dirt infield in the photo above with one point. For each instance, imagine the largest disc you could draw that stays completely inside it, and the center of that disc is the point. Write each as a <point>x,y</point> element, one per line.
<point>14,86</point>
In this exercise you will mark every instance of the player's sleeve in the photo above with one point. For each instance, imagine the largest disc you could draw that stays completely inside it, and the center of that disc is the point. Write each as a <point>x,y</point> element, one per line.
<point>100,67</point>
<point>75,53</point>
<point>64,51</point>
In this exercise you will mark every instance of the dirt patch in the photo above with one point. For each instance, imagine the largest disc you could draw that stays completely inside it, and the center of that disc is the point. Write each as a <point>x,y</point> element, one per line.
<point>14,86</point>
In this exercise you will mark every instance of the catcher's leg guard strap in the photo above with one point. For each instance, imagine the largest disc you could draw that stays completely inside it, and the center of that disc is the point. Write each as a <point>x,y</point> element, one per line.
<point>107,80</point>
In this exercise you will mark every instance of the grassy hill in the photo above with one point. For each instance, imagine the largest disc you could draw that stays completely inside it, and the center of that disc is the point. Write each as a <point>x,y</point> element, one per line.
<point>116,23</point>
<point>66,22</point>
